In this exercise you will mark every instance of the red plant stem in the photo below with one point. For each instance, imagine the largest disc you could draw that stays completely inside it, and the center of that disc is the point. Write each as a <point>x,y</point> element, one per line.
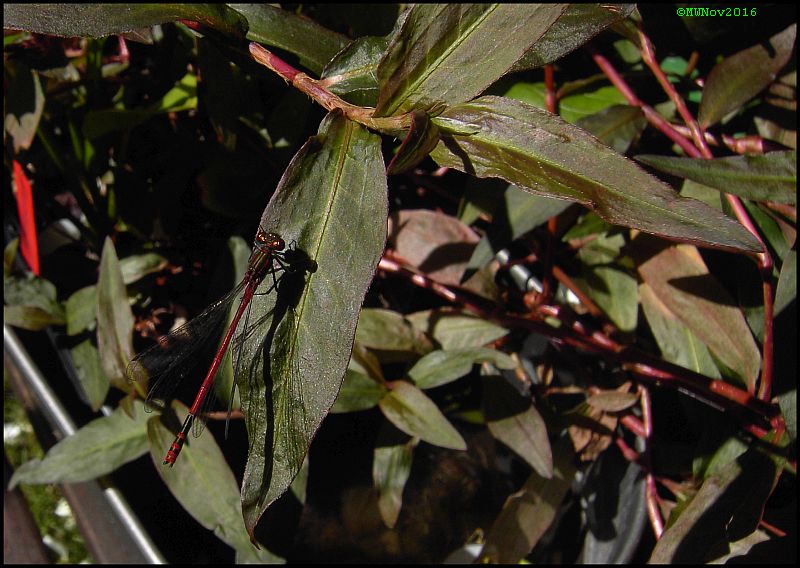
<point>649,58</point>
<point>633,424</point>
<point>651,493</point>
<point>550,101</point>
<point>771,528</point>
<point>659,122</point>
<point>549,89</point>
<point>763,258</point>
<point>627,452</point>
<point>750,411</point>
<point>784,210</point>
<point>318,91</point>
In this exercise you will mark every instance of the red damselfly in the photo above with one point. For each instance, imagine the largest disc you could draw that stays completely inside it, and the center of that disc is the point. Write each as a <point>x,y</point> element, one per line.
<point>170,359</point>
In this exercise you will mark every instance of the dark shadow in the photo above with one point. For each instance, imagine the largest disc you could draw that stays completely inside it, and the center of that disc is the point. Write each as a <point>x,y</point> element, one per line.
<point>734,513</point>
<point>289,291</point>
<point>466,164</point>
<point>446,255</point>
<point>703,286</point>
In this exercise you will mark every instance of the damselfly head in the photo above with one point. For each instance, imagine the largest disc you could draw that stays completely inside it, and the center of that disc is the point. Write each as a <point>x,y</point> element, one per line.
<point>271,241</point>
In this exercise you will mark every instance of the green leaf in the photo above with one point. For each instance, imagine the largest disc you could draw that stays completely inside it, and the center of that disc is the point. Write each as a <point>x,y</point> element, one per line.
<point>314,44</point>
<point>520,213</point>
<point>775,118</point>
<point>740,77</point>
<point>613,401</point>
<point>584,103</point>
<point>137,266</point>
<point>767,177</point>
<point>676,341</point>
<point>352,74</point>
<point>204,485</point>
<point>30,317</point>
<point>114,319</point>
<point>422,137</point>
<point>449,53</point>
<point>97,20</point>
<point>359,392</point>
<point>388,331</point>
<point>576,26</point>
<point>411,411</point>
<point>528,513</point>
<point>544,155</point>
<point>331,207</point>
<point>81,310</point>
<point>579,104</point>
<point>436,244</point>
<point>679,278</point>
<point>97,449</point>
<point>769,228</point>
<point>34,292</point>
<point>727,508</point>
<point>616,126</point>
<point>391,467</point>
<point>786,291</point>
<point>608,282</point>
<point>441,367</point>
<point>9,254</point>
<point>183,96</point>
<point>788,404</point>
<point>454,329</point>
<point>24,102</point>
<point>514,421</point>
<point>95,385</point>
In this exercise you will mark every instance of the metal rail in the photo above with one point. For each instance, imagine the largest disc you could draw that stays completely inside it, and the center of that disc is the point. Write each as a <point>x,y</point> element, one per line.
<point>112,531</point>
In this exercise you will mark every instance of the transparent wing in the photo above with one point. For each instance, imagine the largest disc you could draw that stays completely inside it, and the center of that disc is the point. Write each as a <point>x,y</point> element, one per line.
<point>165,364</point>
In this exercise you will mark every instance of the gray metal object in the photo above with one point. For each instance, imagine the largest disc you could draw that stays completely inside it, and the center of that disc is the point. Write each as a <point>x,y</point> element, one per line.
<point>112,531</point>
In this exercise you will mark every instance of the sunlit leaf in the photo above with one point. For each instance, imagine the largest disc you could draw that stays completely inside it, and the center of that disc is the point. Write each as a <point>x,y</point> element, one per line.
<point>577,25</point>
<point>497,137</point>
<point>454,329</point>
<point>514,421</point>
<point>353,73</point>
<point>675,340</point>
<point>528,513</point>
<point>314,44</point>
<point>388,331</point>
<point>331,207</point>
<point>411,411</point>
<point>97,449</point>
<point>449,53</point>
<point>358,392</point>
<point>679,279</point>
<point>767,177</point>
<point>114,319</point>
<point>740,77</point>
<point>204,485</point>
<point>97,20</point>
<point>441,367</point>
<point>95,385</point>
<point>391,467</point>
<point>727,508</point>
<point>612,401</point>
<point>24,102</point>
<point>30,317</point>
<point>435,244</point>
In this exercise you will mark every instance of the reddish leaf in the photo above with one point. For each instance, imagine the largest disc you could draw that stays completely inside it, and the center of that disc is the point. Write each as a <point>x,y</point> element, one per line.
<point>29,245</point>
